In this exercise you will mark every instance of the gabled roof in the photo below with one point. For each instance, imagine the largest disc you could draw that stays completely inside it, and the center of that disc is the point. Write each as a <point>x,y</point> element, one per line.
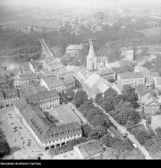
<point>157,80</point>
<point>110,92</point>
<point>91,80</point>
<point>91,52</point>
<point>20,103</point>
<point>74,47</point>
<point>129,75</point>
<point>156,121</point>
<point>26,90</point>
<point>102,87</point>
<point>68,79</point>
<point>42,96</point>
<point>143,90</point>
<point>53,83</point>
<point>10,93</point>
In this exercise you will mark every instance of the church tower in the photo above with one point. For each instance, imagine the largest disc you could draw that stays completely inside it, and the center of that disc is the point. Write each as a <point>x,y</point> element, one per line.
<point>91,59</point>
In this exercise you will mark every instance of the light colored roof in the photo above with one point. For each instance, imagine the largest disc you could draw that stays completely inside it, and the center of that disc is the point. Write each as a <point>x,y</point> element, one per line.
<point>157,80</point>
<point>74,47</point>
<point>53,83</point>
<point>91,80</point>
<point>102,87</point>
<point>91,52</point>
<point>129,75</point>
<point>156,121</point>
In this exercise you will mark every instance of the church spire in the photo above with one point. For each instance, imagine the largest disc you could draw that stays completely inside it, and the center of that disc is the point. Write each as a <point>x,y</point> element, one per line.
<point>91,52</point>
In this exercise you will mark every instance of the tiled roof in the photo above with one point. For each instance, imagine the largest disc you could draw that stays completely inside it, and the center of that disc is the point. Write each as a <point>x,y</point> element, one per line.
<point>143,90</point>
<point>110,92</point>
<point>53,83</point>
<point>106,72</point>
<point>68,79</point>
<point>128,75</point>
<point>10,93</point>
<point>91,80</point>
<point>156,121</point>
<point>26,90</point>
<point>20,103</point>
<point>28,76</point>
<point>157,80</point>
<point>102,87</point>
<point>74,47</point>
<point>42,96</point>
<point>40,89</point>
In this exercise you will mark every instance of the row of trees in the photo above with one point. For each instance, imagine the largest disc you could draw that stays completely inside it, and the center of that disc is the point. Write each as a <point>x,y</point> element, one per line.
<point>4,146</point>
<point>121,107</point>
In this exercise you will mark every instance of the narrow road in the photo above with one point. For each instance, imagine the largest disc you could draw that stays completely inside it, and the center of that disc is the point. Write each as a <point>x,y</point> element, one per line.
<point>82,118</point>
<point>130,136</point>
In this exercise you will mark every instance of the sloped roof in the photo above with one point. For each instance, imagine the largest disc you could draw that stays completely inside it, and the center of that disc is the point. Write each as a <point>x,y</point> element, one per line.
<point>91,52</point>
<point>26,90</point>
<point>110,92</point>
<point>10,93</point>
<point>102,87</point>
<point>129,75</point>
<point>143,90</point>
<point>157,80</point>
<point>53,83</point>
<point>91,80</point>
<point>75,47</point>
<point>68,79</point>
<point>42,96</point>
<point>156,121</point>
<point>20,103</point>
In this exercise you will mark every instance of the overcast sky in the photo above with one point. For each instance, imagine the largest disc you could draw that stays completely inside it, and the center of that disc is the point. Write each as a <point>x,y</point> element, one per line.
<point>75,2</point>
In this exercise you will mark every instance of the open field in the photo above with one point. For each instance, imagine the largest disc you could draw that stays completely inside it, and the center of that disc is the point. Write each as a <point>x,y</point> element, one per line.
<point>152,32</point>
<point>64,114</point>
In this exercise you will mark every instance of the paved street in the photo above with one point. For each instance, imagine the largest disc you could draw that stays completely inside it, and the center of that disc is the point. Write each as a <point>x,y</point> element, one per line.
<point>130,136</point>
<point>16,133</point>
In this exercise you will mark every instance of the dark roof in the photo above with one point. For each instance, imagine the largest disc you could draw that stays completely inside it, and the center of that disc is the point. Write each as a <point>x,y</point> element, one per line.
<point>40,89</point>
<point>10,93</point>
<point>129,75</point>
<point>68,79</point>
<point>26,90</point>
<point>143,90</point>
<point>110,92</point>
<point>42,96</point>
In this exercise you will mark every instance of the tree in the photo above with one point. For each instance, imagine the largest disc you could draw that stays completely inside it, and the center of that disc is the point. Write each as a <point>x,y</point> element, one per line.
<point>70,94</point>
<point>107,139</point>
<point>87,131</point>
<point>130,95</point>
<point>97,120</point>
<point>107,105</point>
<point>99,98</point>
<point>80,98</point>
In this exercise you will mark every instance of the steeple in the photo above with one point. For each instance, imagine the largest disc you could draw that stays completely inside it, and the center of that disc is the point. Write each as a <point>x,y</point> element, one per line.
<point>91,58</point>
<point>91,52</point>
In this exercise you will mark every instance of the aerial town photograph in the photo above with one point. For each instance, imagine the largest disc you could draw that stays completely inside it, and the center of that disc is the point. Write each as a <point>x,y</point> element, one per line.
<point>80,80</point>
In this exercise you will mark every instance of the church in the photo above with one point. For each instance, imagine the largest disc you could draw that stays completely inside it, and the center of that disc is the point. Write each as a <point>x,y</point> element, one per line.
<point>90,78</point>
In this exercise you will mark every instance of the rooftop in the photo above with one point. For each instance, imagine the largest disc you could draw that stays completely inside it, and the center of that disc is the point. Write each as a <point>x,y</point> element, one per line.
<point>156,122</point>
<point>130,75</point>
<point>26,90</point>
<point>68,79</point>
<point>143,90</point>
<point>75,47</point>
<point>157,80</point>
<point>28,76</point>
<point>10,93</point>
<point>110,92</point>
<point>42,96</point>
<point>92,79</point>
<point>53,83</point>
